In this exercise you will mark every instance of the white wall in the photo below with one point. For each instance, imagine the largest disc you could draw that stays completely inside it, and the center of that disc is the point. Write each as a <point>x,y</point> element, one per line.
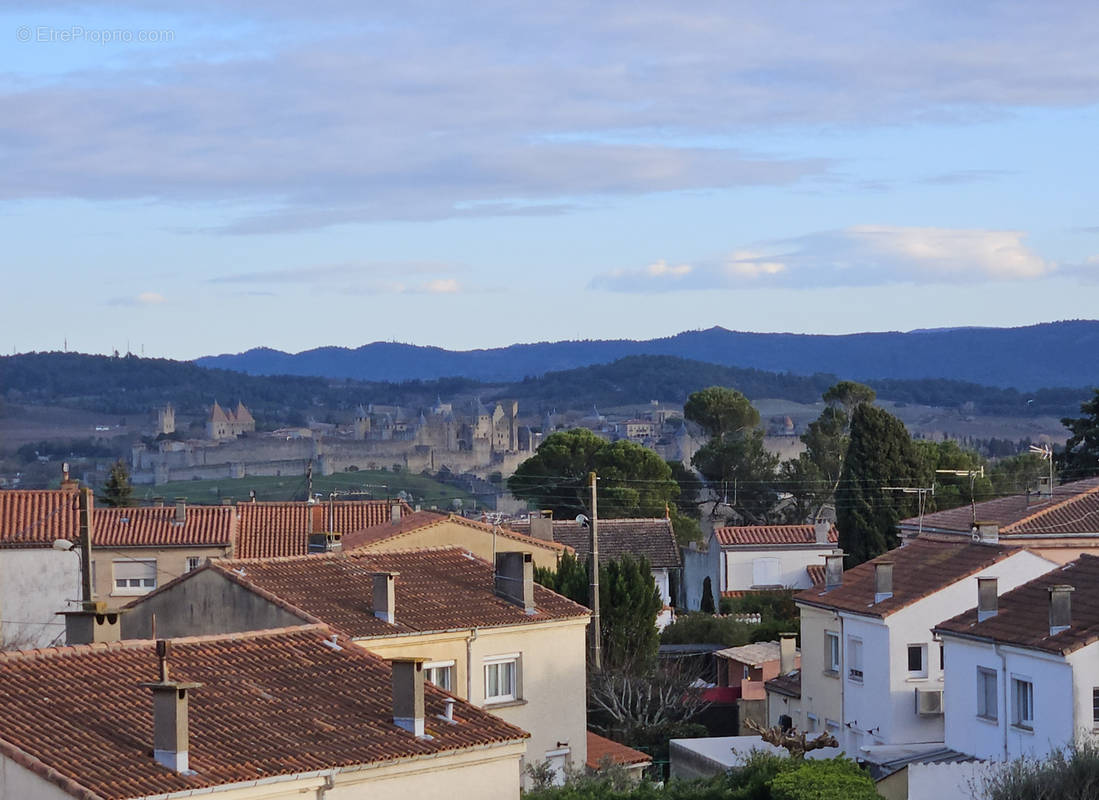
<point>19,782</point>
<point>697,566</point>
<point>35,584</point>
<point>737,571</point>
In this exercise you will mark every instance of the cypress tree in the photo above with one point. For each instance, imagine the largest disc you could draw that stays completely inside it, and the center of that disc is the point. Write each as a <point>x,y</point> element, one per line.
<point>118,492</point>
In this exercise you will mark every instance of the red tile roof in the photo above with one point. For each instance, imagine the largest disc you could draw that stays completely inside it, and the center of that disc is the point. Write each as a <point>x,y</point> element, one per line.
<point>35,518</point>
<point>652,538</point>
<point>816,573</point>
<point>771,534</point>
<point>920,569</point>
<point>148,526</point>
<point>270,704</point>
<point>603,751</point>
<point>419,520</point>
<point>270,530</point>
<point>1073,509</point>
<point>1022,616</point>
<point>437,589</point>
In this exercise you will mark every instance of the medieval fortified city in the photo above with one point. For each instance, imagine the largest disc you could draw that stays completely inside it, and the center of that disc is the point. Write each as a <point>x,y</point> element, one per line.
<point>621,401</point>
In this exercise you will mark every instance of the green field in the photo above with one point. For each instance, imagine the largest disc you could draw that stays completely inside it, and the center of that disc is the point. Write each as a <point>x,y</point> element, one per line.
<point>366,485</point>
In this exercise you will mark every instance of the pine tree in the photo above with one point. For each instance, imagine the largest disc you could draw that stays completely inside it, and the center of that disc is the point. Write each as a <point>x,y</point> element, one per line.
<point>118,492</point>
<point>706,605</point>
<point>1080,458</point>
<point>880,454</point>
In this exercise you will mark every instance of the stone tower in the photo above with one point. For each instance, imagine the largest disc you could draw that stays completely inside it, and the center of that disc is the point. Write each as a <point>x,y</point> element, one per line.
<point>166,420</point>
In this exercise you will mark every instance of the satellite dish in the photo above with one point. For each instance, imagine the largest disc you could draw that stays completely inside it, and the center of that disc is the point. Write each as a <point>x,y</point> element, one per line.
<point>581,519</point>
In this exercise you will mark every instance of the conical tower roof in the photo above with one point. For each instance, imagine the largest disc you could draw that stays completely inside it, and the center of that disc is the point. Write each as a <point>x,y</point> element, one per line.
<point>217,414</point>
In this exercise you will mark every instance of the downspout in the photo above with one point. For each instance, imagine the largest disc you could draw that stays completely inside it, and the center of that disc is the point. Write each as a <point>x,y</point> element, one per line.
<point>329,784</point>
<point>843,682</point>
<point>469,663</point>
<point>1003,670</point>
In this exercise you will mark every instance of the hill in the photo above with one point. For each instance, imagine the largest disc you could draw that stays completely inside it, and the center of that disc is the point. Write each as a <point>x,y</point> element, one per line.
<point>1025,358</point>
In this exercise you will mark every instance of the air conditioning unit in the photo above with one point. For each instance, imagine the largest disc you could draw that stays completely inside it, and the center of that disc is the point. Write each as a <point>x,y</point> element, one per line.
<point>929,702</point>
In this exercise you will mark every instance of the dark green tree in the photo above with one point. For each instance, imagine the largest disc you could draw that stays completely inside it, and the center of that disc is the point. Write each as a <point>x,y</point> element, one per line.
<point>879,455</point>
<point>118,492</point>
<point>628,604</point>
<point>1080,458</point>
<point>720,411</point>
<point>952,491</point>
<point>848,395</point>
<point>741,472</point>
<point>706,605</point>
<point>570,579</point>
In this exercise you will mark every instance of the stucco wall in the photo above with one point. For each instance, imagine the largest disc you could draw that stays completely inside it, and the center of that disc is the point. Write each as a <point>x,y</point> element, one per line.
<point>478,542</point>
<point>35,584</point>
<point>17,782</point>
<point>697,566</point>
<point>737,566</point>
<point>171,562</point>
<point>821,692</point>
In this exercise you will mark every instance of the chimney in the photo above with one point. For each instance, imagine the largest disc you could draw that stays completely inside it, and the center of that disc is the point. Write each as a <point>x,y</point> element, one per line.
<point>541,528</point>
<point>395,512</point>
<point>833,570</point>
<point>385,596</point>
<point>787,652</point>
<point>883,580</point>
<point>515,579</point>
<point>987,598</point>
<point>170,729</point>
<point>181,511</point>
<point>92,624</point>
<point>408,694</point>
<point>985,532</point>
<point>158,502</point>
<point>67,483</point>
<point>821,531</point>
<point>1060,608</point>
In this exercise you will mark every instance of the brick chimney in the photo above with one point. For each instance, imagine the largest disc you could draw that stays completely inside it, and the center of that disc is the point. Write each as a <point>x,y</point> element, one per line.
<point>833,570</point>
<point>821,531</point>
<point>988,600</point>
<point>1060,608</point>
<point>515,579</point>
<point>92,624</point>
<point>408,694</point>
<point>883,580</point>
<point>541,528</point>
<point>181,511</point>
<point>787,653</point>
<point>171,734</point>
<point>385,596</point>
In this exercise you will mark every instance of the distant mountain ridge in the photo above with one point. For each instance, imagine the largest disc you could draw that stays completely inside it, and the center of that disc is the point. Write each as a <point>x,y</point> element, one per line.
<point>1025,358</point>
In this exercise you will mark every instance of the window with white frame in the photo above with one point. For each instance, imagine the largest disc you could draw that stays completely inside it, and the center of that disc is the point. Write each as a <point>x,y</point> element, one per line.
<point>193,563</point>
<point>765,572</point>
<point>440,673</point>
<point>854,659</point>
<point>134,577</point>
<point>917,661</point>
<point>986,693</point>
<point>1022,703</point>
<point>502,678</point>
<point>832,652</point>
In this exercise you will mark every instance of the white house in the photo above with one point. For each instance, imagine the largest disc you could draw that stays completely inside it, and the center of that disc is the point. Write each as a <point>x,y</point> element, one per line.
<point>1023,668</point>
<point>872,672</point>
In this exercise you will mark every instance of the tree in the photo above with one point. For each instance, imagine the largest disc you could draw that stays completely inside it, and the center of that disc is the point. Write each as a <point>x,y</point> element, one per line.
<point>1080,458</point>
<point>879,455</point>
<point>849,395</point>
<point>741,471</point>
<point>720,411</point>
<point>797,744</point>
<point>633,480</point>
<point>706,605</point>
<point>118,492</point>
<point>952,491</point>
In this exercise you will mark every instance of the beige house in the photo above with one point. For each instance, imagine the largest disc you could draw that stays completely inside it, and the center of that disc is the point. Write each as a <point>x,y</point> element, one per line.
<point>274,715</point>
<point>489,636</point>
<point>422,529</point>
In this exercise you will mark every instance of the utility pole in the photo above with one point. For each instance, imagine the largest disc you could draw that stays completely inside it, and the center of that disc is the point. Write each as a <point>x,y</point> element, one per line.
<point>85,501</point>
<point>593,596</point>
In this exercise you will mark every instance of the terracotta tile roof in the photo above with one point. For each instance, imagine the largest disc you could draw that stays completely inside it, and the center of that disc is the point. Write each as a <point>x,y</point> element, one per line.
<point>816,573</point>
<point>437,589</point>
<point>752,654</point>
<point>788,684</point>
<point>1022,616</point>
<point>217,414</point>
<point>271,530</point>
<point>920,569</point>
<point>270,704</point>
<point>419,520</point>
<point>602,750</point>
<point>771,534</point>
<point>652,538</point>
<point>1073,509</point>
<point>35,518</point>
<point>148,526</point>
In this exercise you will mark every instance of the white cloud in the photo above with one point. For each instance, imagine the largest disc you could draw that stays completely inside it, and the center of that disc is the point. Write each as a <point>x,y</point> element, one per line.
<point>141,299</point>
<point>441,286</point>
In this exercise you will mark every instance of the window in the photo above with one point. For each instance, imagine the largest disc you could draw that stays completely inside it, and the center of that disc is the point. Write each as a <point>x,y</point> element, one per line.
<point>854,659</point>
<point>917,661</point>
<point>134,577</point>
<point>501,679</point>
<point>747,672</point>
<point>1022,699</point>
<point>193,563</point>
<point>440,673</point>
<point>942,658</point>
<point>1095,708</point>
<point>831,652</point>
<point>811,723</point>
<point>986,693</point>
<point>765,572</point>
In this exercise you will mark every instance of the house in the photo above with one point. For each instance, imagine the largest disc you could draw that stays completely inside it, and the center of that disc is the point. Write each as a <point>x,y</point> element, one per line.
<point>490,636</point>
<point>1057,523</point>
<point>871,670</point>
<point>297,712</point>
<point>422,529</point>
<point>744,670</point>
<point>37,580</point>
<point>653,539</point>
<point>271,530</point>
<point>1024,665</point>
<point>604,753</point>
<point>746,558</point>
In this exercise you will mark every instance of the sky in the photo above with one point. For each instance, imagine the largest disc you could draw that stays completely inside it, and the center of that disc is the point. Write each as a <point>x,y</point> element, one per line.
<point>184,179</point>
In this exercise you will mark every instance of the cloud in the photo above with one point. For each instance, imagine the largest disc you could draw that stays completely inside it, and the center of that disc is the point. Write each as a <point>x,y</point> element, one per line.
<point>368,277</point>
<point>142,299</point>
<point>862,255</point>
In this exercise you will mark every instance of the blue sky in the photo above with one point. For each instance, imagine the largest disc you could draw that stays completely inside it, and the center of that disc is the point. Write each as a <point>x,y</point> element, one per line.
<point>187,179</point>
